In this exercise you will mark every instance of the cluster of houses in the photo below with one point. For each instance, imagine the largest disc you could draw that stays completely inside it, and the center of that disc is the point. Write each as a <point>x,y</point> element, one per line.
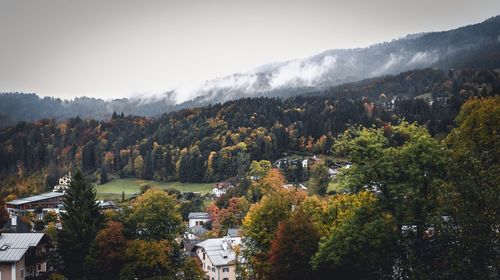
<point>285,162</point>
<point>334,168</point>
<point>221,189</point>
<point>24,253</point>
<point>47,202</point>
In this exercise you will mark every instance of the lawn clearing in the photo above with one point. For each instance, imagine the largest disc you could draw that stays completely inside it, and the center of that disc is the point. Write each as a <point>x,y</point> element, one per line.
<point>132,185</point>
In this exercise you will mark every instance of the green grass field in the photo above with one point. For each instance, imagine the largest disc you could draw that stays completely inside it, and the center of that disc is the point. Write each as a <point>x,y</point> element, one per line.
<point>114,189</point>
<point>334,186</point>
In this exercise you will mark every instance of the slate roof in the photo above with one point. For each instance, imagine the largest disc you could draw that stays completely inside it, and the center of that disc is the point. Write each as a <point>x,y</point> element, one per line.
<point>13,246</point>
<point>107,204</point>
<point>198,215</point>
<point>198,230</point>
<point>35,198</point>
<point>234,232</point>
<point>218,255</point>
<point>189,245</point>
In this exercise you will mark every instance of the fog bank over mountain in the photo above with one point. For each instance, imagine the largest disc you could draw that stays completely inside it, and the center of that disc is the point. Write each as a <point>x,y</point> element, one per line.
<point>473,46</point>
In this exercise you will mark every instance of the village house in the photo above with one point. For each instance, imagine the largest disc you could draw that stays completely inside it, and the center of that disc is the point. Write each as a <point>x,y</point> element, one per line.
<point>63,183</point>
<point>300,187</point>
<point>107,205</point>
<point>221,189</point>
<point>304,162</point>
<point>23,255</point>
<point>218,257</point>
<point>197,218</point>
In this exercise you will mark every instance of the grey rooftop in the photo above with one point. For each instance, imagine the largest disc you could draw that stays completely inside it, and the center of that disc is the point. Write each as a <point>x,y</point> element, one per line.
<point>198,215</point>
<point>13,246</point>
<point>35,198</point>
<point>219,253</point>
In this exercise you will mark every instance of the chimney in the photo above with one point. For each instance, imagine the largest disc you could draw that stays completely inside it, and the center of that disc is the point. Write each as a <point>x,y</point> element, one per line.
<point>13,223</point>
<point>225,243</point>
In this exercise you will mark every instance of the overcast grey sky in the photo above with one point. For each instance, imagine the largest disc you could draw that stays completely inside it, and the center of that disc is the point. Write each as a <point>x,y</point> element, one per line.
<point>112,49</point>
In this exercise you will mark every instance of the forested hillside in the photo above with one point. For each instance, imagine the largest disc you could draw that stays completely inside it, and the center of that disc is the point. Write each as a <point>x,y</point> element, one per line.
<point>17,106</point>
<point>216,142</point>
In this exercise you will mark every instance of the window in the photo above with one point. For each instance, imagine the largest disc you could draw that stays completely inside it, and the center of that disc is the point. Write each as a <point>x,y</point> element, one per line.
<point>22,273</point>
<point>225,269</point>
<point>213,269</point>
<point>225,279</point>
<point>203,255</point>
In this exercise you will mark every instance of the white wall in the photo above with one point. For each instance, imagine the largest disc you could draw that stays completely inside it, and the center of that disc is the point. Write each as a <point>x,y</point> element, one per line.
<point>192,222</point>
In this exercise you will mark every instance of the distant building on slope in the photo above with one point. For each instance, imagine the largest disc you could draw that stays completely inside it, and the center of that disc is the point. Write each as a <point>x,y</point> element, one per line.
<point>107,205</point>
<point>300,187</point>
<point>221,189</point>
<point>63,183</point>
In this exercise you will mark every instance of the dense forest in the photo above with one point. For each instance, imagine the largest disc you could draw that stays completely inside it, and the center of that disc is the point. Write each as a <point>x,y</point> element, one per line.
<point>215,142</point>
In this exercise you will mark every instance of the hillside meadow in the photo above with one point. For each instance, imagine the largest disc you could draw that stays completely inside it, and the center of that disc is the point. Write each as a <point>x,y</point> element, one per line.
<point>113,189</point>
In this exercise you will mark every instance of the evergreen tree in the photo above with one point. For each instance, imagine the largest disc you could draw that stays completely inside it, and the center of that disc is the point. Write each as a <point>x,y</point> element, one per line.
<point>80,224</point>
<point>4,215</point>
<point>104,176</point>
<point>148,167</point>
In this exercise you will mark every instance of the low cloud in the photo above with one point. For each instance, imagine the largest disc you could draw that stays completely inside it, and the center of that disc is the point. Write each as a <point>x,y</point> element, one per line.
<point>303,72</point>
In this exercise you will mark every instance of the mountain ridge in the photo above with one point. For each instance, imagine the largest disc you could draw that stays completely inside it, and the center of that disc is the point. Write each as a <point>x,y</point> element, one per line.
<point>471,46</point>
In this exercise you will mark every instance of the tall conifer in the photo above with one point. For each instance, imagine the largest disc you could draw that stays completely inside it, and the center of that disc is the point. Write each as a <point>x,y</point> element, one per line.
<point>80,224</point>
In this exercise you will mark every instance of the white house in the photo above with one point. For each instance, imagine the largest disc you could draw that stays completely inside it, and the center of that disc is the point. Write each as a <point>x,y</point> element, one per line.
<point>299,187</point>
<point>218,257</point>
<point>197,218</point>
<point>221,189</point>
<point>63,183</point>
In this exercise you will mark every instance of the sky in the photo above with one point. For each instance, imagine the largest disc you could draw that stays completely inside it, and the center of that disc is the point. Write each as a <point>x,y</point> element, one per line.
<point>121,48</point>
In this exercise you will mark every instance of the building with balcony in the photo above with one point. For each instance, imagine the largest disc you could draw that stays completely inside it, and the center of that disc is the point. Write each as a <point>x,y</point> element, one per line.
<point>23,255</point>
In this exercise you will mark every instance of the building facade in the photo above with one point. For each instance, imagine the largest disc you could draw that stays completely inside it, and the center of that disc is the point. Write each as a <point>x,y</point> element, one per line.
<point>198,218</point>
